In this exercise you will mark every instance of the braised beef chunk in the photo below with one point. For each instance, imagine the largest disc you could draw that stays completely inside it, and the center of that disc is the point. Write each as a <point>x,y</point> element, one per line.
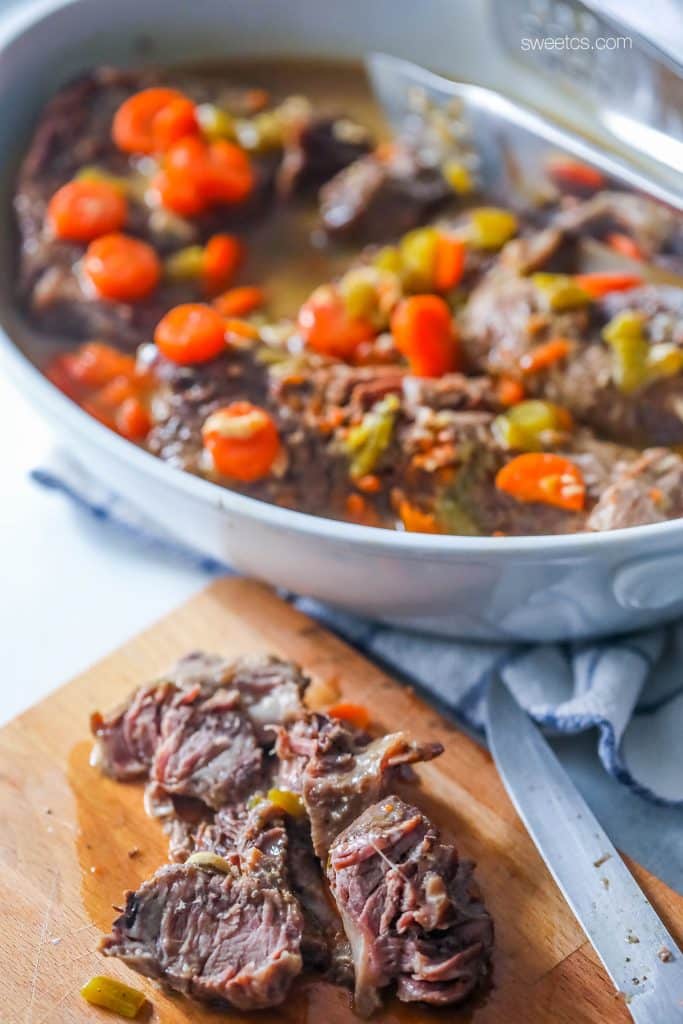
<point>648,489</point>
<point>339,771</point>
<point>379,197</point>
<point>234,829</point>
<point>655,229</point>
<point>231,934</point>
<point>208,750</point>
<point>200,690</point>
<point>322,148</point>
<point>410,907</point>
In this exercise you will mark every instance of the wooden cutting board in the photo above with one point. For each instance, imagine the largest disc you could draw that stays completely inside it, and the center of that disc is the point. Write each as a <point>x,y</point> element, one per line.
<point>71,841</point>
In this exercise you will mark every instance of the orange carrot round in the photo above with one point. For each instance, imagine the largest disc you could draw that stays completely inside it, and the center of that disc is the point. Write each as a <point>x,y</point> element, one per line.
<point>327,327</point>
<point>542,477</point>
<point>191,333</point>
<point>83,210</point>
<point>132,419</point>
<point>424,332</point>
<point>122,268</point>
<point>239,301</point>
<point>348,711</point>
<point>222,256</point>
<point>152,119</point>
<point>242,440</point>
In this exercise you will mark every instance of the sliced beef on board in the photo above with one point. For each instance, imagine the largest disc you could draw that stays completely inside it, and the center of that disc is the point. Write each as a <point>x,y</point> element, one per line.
<point>410,908</point>
<point>231,935</point>
<point>323,944</point>
<point>127,740</point>
<point>496,336</point>
<point>338,770</point>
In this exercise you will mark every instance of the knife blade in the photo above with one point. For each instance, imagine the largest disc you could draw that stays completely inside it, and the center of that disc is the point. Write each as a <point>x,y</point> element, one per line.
<point>638,953</point>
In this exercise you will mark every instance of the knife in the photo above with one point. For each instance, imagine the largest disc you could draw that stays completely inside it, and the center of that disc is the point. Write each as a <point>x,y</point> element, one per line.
<point>637,951</point>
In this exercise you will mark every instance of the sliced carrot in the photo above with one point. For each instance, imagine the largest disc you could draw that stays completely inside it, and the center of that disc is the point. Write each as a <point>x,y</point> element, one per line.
<point>546,355</point>
<point>132,419</point>
<point>122,268</point>
<point>242,440</point>
<point>82,210</point>
<point>96,364</point>
<point>176,120</point>
<point>191,333</point>
<point>326,326</point>
<point>239,301</point>
<point>222,256</point>
<point>176,192</point>
<point>228,176</point>
<point>369,484</point>
<point>449,262</point>
<point>572,173</point>
<point>415,520</point>
<point>599,284</point>
<point>423,331</point>
<point>355,714</point>
<point>143,122</point>
<point>196,175</point>
<point>625,246</point>
<point>242,328</point>
<point>359,510</point>
<point>510,391</point>
<point>546,478</point>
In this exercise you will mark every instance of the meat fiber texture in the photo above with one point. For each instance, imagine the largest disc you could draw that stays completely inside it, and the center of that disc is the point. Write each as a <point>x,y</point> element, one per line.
<point>410,908</point>
<point>246,905</point>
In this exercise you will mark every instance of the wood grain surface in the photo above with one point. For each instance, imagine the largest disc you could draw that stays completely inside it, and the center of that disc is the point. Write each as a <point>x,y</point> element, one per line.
<point>71,842</point>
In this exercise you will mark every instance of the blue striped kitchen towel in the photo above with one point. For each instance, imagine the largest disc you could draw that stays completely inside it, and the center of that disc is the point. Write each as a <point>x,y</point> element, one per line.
<point>630,690</point>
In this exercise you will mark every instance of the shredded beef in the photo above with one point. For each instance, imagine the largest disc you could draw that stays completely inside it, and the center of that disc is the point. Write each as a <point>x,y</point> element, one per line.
<point>233,937</point>
<point>339,771</point>
<point>410,908</point>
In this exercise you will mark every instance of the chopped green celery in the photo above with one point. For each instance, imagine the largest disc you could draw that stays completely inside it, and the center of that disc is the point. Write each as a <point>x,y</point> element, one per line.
<point>388,258</point>
<point>417,251</point>
<point>625,334</point>
<point>523,425</point>
<point>206,859</point>
<point>359,291</point>
<point>367,442</point>
<point>560,291</point>
<point>459,177</point>
<point>215,123</point>
<point>491,227</point>
<point>452,517</point>
<point>291,803</point>
<point>92,173</point>
<point>664,360</point>
<point>262,133</point>
<point>113,995</point>
<point>186,264</point>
